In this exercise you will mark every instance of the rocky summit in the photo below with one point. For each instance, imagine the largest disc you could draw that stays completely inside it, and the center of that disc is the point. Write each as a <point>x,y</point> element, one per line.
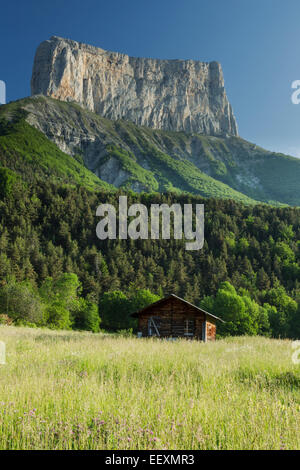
<point>176,95</point>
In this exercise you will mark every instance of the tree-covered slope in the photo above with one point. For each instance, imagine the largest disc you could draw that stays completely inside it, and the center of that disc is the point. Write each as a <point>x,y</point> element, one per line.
<point>37,143</point>
<point>48,230</point>
<point>142,159</point>
<point>30,153</point>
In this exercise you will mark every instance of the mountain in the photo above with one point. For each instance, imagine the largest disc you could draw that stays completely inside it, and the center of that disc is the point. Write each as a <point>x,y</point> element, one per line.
<point>176,95</point>
<point>42,138</point>
<point>59,161</point>
<point>77,146</point>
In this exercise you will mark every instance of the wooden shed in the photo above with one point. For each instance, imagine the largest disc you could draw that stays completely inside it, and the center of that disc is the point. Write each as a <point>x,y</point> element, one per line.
<point>173,317</point>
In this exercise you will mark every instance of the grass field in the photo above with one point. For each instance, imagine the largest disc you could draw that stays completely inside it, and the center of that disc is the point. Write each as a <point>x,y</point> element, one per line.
<point>68,390</point>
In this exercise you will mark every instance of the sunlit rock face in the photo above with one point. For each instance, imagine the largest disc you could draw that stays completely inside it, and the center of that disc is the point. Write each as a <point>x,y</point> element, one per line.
<point>178,95</point>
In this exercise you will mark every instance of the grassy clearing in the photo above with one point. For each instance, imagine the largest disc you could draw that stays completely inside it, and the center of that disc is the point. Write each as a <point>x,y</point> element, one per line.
<point>68,390</point>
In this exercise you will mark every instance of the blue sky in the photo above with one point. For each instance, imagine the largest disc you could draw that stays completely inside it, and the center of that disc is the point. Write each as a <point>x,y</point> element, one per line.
<point>256,41</point>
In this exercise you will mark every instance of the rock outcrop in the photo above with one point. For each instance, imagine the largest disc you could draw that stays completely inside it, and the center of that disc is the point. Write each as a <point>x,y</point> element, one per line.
<point>178,95</point>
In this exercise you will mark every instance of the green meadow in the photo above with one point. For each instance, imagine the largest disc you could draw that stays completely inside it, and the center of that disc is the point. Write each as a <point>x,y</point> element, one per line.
<point>72,390</point>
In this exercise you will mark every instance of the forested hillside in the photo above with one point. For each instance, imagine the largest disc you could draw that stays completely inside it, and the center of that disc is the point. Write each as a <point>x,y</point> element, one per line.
<point>48,230</point>
<point>28,152</point>
<point>39,136</point>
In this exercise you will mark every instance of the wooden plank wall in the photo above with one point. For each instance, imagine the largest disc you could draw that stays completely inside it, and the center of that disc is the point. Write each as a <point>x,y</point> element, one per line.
<point>173,314</point>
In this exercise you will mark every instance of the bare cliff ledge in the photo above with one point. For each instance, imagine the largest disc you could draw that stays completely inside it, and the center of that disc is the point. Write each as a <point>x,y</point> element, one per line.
<point>177,95</point>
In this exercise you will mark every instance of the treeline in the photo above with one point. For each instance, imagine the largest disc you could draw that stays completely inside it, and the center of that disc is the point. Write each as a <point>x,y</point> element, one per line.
<point>277,315</point>
<point>48,230</point>
<point>58,304</point>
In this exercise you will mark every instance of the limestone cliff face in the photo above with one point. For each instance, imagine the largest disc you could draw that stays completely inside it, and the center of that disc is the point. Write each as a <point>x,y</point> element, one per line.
<point>178,95</point>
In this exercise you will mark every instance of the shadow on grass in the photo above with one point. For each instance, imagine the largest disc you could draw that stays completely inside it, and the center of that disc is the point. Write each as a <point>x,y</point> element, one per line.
<point>264,379</point>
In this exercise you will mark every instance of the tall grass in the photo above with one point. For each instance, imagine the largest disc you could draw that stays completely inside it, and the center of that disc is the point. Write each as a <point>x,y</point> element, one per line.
<point>67,390</point>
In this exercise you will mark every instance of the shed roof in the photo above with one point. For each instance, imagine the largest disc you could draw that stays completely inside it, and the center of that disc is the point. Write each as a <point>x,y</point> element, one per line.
<point>143,310</point>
